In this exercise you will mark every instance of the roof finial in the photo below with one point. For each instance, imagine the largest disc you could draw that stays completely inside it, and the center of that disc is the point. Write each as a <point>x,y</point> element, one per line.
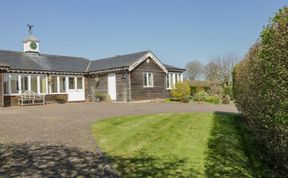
<point>30,28</point>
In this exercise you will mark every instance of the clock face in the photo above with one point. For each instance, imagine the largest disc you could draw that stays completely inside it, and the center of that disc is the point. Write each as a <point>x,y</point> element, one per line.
<point>33,45</point>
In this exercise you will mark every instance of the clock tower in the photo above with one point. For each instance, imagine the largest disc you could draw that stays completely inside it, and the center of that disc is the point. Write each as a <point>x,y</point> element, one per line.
<point>31,43</point>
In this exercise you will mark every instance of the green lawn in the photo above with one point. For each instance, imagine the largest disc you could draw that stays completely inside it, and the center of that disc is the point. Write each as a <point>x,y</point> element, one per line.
<point>180,145</point>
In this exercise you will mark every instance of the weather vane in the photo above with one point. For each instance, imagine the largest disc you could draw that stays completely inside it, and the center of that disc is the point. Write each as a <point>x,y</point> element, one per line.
<point>30,28</point>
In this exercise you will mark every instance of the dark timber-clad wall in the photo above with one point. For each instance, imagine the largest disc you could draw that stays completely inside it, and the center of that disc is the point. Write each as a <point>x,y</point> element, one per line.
<point>138,92</point>
<point>102,86</point>
<point>1,89</point>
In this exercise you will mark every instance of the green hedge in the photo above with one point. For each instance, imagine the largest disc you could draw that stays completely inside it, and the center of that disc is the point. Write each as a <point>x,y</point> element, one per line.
<point>260,89</point>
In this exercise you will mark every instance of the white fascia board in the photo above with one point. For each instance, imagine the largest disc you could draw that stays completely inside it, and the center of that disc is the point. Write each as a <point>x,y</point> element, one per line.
<point>153,57</point>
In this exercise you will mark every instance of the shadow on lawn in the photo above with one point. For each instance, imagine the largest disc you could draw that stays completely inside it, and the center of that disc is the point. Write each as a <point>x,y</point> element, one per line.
<point>144,166</point>
<point>42,160</point>
<point>233,151</point>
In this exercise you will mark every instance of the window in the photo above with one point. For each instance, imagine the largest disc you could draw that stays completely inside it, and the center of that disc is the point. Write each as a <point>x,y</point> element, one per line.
<point>34,83</point>
<point>14,86</point>
<point>172,79</point>
<point>13,83</point>
<point>148,79</point>
<point>6,84</point>
<point>62,84</point>
<point>79,83</point>
<point>71,83</point>
<point>24,83</point>
<point>42,84</point>
<point>54,84</point>
<point>176,78</point>
<point>168,81</point>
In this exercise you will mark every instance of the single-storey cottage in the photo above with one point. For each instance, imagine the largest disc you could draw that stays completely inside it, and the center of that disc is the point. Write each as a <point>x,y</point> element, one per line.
<point>131,77</point>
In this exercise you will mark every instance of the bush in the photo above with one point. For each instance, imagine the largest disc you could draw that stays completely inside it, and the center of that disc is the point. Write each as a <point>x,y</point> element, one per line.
<point>201,96</point>
<point>215,89</point>
<point>61,99</point>
<point>213,99</point>
<point>260,89</point>
<point>226,99</point>
<point>108,98</point>
<point>99,96</point>
<point>228,91</point>
<point>193,90</point>
<point>181,91</point>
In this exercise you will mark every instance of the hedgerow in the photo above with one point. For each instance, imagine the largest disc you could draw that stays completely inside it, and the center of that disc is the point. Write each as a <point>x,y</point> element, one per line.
<point>260,88</point>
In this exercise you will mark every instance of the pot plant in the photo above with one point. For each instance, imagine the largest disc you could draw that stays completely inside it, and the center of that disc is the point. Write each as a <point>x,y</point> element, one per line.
<point>99,97</point>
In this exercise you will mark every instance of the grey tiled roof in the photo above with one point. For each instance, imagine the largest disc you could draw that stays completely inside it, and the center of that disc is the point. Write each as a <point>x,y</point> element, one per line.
<point>116,61</point>
<point>173,68</point>
<point>42,62</point>
<point>45,62</point>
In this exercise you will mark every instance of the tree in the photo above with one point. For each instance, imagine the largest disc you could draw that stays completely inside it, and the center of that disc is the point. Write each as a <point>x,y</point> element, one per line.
<point>220,68</point>
<point>212,70</point>
<point>193,70</point>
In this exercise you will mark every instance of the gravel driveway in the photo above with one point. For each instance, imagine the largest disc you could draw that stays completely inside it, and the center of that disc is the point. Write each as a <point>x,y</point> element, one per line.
<point>69,124</point>
<point>56,140</point>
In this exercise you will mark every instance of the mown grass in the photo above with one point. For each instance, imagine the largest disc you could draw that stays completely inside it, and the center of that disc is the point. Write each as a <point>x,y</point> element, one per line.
<point>180,145</point>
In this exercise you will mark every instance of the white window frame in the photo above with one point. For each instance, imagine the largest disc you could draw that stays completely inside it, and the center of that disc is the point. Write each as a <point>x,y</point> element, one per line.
<point>172,78</point>
<point>59,87</point>
<point>148,82</point>
<point>50,85</point>
<point>19,78</point>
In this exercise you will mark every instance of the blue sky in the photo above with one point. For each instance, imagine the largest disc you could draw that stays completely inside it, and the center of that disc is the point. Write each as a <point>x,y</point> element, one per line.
<point>176,31</point>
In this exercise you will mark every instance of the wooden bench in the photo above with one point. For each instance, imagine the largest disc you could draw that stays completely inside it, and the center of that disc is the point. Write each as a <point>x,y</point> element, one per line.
<point>30,98</point>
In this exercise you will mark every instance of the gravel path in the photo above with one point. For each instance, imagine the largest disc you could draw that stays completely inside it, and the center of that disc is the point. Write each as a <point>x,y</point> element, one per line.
<point>56,140</point>
<point>69,124</point>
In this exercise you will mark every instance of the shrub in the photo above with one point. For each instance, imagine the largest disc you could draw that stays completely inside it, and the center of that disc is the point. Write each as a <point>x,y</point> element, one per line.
<point>227,90</point>
<point>201,96</point>
<point>213,99</point>
<point>260,89</point>
<point>193,90</point>
<point>61,99</point>
<point>226,99</point>
<point>99,96</point>
<point>181,91</point>
<point>108,98</point>
<point>215,89</point>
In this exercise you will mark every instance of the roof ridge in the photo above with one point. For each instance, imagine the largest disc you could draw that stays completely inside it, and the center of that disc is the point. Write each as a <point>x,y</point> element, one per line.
<point>147,51</point>
<point>88,66</point>
<point>44,54</point>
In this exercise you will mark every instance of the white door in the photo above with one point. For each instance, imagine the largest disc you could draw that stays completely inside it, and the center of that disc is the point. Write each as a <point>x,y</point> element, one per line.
<point>76,90</point>
<point>112,86</point>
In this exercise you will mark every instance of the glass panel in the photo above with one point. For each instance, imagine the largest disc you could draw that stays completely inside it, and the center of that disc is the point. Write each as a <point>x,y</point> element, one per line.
<point>24,83</point>
<point>6,84</point>
<point>150,79</point>
<point>34,83</point>
<point>62,84</point>
<point>14,83</point>
<point>171,81</point>
<point>167,81</point>
<point>176,78</point>
<point>145,79</point>
<point>54,86</point>
<point>42,84</point>
<point>71,83</point>
<point>79,83</point>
